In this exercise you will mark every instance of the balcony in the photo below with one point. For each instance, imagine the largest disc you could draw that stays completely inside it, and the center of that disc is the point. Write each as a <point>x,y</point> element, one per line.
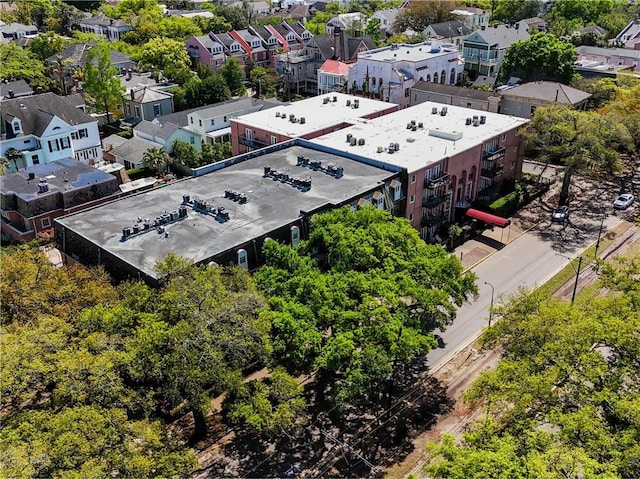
<point>435,182</point>
<point>432,201</point>
<point>431,220</point>
<point>251,142</point>
<point>491,172</point>
<point>495,155</point>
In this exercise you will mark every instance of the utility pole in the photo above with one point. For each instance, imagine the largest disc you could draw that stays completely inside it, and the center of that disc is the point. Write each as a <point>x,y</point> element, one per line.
<point>575,286</point>
<point>599,235</point>
<point>493,291</point>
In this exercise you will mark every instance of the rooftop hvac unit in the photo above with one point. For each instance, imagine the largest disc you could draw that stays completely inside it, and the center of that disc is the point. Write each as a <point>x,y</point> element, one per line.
<point>434,110</point>
<point>186,199</point>
<point>483,119</point>
<point>476,121</point>
<point>339,172</point>
<point>349,136</point>
<point>380,149</point>
<point>467,121</point>
<point>392,147</point>
<point>356,103</point>
<point>283,115</point>
<point>361,141</point>
<point>292,118</point>
<point>396,146</point>
<point>126,231</point>
<point>277,114</point>
<point>414,128</point>
<point>413,122</point>
<point>409,126</point>
<point>267,168</point>
<point>302,120</point>
<point>335,99</point>
<point>354,141</point>
<point>420,125</point>
<point>348,102</point>
<point>443,112</point>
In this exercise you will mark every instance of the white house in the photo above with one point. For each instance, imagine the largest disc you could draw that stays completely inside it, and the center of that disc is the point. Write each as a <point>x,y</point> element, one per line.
<point>48,127</point>
<point>350,22</point>
<point>111,29</point>
<point>333,75</point>
<point>472,17</point>
<point>390,72</point>
<point>387,18</point>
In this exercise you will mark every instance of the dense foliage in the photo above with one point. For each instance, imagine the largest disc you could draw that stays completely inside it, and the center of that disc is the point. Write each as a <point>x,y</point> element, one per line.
<point>372,298</point>
<point>564,401</point>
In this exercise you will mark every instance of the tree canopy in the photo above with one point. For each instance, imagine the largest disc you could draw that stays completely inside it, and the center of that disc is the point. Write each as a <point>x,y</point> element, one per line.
<point>372,299</point>
<point>101,82</point>
<point>167,55</point>
<point>564,401</point>
<point>21,64</point>
<point>541,57</point>
<point>422,14</point>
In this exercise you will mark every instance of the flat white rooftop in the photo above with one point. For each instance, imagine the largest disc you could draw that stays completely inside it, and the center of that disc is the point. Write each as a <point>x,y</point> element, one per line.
<point>317,114</point>
<point>408,52</point>
<point>438,138</point>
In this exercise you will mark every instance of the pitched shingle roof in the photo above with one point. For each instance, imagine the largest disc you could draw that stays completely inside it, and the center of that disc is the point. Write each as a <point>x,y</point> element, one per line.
<point>453,28</point>
<point>18,87</point>
<point>133,149</point>
<point>548,91</point>
<point>502,35</point>
<point>77,55</point>
<point>36,112</point>
<point>454,90</point>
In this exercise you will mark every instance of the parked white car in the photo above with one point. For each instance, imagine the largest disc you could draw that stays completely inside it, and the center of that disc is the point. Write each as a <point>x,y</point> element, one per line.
<point>623,201</point>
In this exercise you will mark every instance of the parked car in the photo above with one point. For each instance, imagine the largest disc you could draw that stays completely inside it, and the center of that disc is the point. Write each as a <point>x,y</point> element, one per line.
<point>560,214</point>
<point>623,201</point>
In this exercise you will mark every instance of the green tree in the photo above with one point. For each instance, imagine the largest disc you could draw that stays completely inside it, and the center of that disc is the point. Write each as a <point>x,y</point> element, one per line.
<point>370,303</point>
<point>509,11</point>
<point>215,24</point>
<point>237,17</point>
<point>101,82</point>
<point>47,44</point>
<point>14,157</point>
<point>233,75</point>
<point>212,89</point>
<point>373,30</point>
<point>587,10</point>
<point>422,14</point>
<point>156,159</point>
<point>578,140</point>
<point>20,64</point>
<point>167,55</point>
<point>185,154</point>
<point>541,57</point>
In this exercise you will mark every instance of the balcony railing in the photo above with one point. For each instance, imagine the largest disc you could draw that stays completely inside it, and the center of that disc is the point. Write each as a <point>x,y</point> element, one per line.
<point>432,201</point>
<point>495,155</point>
<point>435,182</point>
<point>491,172</point>
<point>252,142</point>
<point>431,220</point>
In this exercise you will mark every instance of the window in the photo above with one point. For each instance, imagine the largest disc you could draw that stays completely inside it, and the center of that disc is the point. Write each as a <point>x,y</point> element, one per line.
<point>45,222</point>
<point>413,178</point>
<point>406,92</point>
<point>157,110</point>
<point>225,118</point>
<point>35,160</point>
<point>137,111</point>
<point>191,120</point>
<point>213,121</point>
<point>503,137</point>
<point>412,199</point>
<point>26,142</point>
<point>17,127</point>
<point>410,216</point>
<point>200,122</point>
<point>53,146</point>
<point>64,143</point>
<point>274,139</point>
<point>83,133</point>
<point>192,140</point>
<point>74,135</point>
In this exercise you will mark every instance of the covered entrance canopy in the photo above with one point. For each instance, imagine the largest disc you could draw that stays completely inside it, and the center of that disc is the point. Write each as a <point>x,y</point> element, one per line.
<point>488,218</point>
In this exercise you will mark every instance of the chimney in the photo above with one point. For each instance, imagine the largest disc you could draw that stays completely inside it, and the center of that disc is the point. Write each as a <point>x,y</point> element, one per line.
<point>337,44</point>
<point>483,27</point>
<point>344,46</point>
<point>129,74</point>
<point>132,93</point>
<point>11,94</point>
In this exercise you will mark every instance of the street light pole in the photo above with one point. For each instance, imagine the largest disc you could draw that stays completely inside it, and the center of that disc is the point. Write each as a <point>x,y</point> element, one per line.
<point>575,286</point>
<point>493,292</point>
<point>599,235</point>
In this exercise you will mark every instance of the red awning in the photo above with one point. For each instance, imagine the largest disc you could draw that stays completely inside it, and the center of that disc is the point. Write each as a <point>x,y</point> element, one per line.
<point>488,218</point>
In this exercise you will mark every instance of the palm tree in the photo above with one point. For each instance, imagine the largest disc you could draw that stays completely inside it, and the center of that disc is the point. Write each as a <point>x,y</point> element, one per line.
<point>155,158</point>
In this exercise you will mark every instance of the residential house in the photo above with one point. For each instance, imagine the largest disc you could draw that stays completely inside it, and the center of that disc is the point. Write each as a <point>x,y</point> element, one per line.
<point>533,25</point>
<point>164,135</point>
<point>257,54</point>
<point>16,31</point>
<point>354,23</point>
<point>599,32</point>
<point>270,41</point>
<point>31,198</point>
<point>629,37</point>
<point>387,18</point>
<point>130,153</point>
<point>484,49</point>
<point>472,98</point>
<point>75,56</point>
<point>206,50</point>
<point>596,61</point>
<point>297,12</point>
<point>300,31</point>
<point>472,17</point>
<point>523,100</point>
<point>112,29</point>
<point>286,37</point>
<point>333,75</point>
<point>300,69</point>
<point>232,47</point>
<point>189,13</point>
<point>306,119</point>
<point>390,72</point>
<point>14,89</point>
<point>145,104</point>
<point>453,32</point>
<point>46,128</point>
<point>108,144</point>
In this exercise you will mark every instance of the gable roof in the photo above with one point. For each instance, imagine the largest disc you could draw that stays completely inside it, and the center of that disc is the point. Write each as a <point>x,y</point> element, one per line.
<point>500,35</point>
<point>77,55</point>
<point>547,91</point>
<point>608,52</point>
<point>336,67</point>
<point>452,28</point>
<point>390,14</point>
<point>13,28</point>
<point>18,87</point>
<point>133,149</point>
<point>104,21</point>
<point>36,112</point>
<point>163,131</point>
<point>146,95</point>
<point>296,11</point>
<point>599,31</point>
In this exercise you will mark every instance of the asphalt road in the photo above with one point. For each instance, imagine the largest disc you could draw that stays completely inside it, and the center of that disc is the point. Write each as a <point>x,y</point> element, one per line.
<point>530,260</point>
